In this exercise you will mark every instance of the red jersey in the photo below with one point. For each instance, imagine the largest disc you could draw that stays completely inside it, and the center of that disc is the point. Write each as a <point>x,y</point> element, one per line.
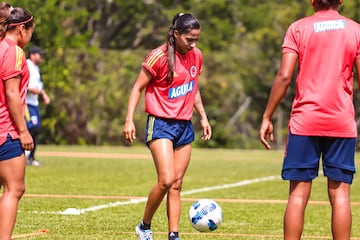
<point>13,64</point>
<point>176,99</point>
<point>327,45</point>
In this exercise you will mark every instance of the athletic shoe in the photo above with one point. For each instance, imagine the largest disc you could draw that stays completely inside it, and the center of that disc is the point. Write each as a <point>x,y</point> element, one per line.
<point>143,234</point>
<point>172,236</point>
<point>33,162</point>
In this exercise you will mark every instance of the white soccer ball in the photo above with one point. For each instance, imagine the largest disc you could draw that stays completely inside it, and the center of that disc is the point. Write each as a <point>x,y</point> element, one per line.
<point>205,215</point>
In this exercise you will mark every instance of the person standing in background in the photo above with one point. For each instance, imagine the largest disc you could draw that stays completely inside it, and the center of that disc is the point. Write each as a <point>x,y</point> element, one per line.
<point>170,75</point>
<point>322,124</point>
<point>35,89</point>
<point>16,29</point>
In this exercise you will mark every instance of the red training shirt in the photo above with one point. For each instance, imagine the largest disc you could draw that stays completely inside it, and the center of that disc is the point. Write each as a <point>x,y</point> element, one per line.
<point>13,64</point>
<point>174,100</point>
<point>327,45</point>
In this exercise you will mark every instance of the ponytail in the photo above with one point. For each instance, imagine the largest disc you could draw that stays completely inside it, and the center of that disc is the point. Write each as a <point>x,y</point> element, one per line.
<point>182,23</point>
<point>5,10</point>
<point>11,17</point>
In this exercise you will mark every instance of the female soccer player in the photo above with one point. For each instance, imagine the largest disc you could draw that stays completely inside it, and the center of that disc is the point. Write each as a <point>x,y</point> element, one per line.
<point>322,124</point>
<point>170,75</point>
<point>16,28</point>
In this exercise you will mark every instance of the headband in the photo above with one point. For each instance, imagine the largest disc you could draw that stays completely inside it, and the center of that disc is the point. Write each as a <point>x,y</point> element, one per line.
<point>23,22</point>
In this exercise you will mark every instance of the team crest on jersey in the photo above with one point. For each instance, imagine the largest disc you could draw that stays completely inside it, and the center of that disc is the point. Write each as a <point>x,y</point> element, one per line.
<point>193,71</point>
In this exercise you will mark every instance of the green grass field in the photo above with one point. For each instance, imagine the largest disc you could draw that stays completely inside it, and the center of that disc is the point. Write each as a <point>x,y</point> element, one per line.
<point>108,185</point>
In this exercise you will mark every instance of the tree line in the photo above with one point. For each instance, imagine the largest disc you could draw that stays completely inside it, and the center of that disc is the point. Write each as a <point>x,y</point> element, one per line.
<point>94,50</point>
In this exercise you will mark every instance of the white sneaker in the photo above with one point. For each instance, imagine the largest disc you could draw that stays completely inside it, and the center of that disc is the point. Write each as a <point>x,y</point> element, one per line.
<point>34,163</point>
<point>143,234</point>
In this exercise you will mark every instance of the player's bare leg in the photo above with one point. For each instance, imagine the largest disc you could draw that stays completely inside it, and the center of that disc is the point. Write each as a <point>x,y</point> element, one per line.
<point>182,159</point>
<point>163,155</point>
<point>12,173</point>
<point>339,196</point>
<point>299,194</point>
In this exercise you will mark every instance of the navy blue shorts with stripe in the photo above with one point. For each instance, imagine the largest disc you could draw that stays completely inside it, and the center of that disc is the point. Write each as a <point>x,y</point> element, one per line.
<point>180,132</point>
<point>10,149</point>
<point>303,153</point>
<point>34,116</point>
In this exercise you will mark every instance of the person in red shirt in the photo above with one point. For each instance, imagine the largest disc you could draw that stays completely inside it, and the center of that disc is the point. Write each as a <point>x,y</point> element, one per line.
<point>16,28</point>
<point>170,75</point>
<point>322,124</point>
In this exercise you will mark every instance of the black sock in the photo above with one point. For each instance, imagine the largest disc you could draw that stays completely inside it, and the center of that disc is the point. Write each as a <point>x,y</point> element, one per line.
<point>144,226</point>
<point>173,235</point>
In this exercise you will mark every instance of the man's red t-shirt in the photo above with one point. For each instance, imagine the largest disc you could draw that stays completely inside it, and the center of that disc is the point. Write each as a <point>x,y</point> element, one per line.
<point>12,64</point>
<point>327,45</point>
<point>174,100</point>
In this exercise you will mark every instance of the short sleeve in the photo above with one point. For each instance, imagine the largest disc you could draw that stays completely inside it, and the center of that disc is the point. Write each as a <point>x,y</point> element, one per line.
<point>291,39</point>
<point>12,62</point>
<point>358,42</point>
<point>154,61</point>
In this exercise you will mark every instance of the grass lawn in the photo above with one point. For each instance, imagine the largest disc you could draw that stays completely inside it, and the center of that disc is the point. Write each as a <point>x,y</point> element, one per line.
<point>108,186</point>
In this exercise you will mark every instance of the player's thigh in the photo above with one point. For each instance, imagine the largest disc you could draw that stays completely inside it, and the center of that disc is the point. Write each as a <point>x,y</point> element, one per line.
<point>12,173</point>
<point>338,189</point>
<point>12,163</point>
<point>163,155</point>
<point>182,159</point>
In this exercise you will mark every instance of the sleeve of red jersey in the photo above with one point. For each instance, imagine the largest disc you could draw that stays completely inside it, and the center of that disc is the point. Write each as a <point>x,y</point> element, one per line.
<point>154,61</point>
<point>291,40</point>
<point>358,46</point>
<point>12,64</point>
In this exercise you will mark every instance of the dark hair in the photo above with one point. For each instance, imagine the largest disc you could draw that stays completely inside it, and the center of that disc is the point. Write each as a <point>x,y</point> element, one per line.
<point>326,4</point>
<point>11,17</point>
<point>4,18</point>
<point>34,50</point>
<point>183,23</point>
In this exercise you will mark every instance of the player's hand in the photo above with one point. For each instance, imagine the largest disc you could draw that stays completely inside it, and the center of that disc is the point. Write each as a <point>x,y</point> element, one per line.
<point>129,131</point>
<point>46,98</point>
<point>26,140</point>
<point>266,131</point>
<point>206,129</point>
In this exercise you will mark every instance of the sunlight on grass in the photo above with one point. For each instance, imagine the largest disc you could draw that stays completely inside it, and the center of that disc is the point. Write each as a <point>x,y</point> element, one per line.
<point>116,183</point>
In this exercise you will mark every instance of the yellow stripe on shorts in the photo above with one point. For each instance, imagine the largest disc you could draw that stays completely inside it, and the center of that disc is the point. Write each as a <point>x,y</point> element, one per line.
<point>27,114</point>
<point>150,128</point>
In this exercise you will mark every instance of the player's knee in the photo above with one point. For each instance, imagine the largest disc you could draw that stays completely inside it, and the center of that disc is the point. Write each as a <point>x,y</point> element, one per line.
<point>16,191</point>
<point>177,185</point>
<point>166,183</point>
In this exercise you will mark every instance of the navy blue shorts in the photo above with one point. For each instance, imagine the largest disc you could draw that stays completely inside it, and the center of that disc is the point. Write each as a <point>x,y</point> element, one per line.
<point>180,132</point>
<point>32,116</point>
<point>10,149</point>
<point>302,157</point>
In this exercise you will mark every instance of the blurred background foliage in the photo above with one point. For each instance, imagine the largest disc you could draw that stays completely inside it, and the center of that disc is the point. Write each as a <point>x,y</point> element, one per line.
<point>94,50</point>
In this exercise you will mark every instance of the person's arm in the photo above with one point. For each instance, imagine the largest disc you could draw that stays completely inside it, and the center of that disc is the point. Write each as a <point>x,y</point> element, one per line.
<point>278,90</point>
<point>199,107</point>
<point>357,66</point>
<point>15,108</point>
<point>33,90</point>
<point>41,92</point>
<point>45,97</point>
<point>135,95</point>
